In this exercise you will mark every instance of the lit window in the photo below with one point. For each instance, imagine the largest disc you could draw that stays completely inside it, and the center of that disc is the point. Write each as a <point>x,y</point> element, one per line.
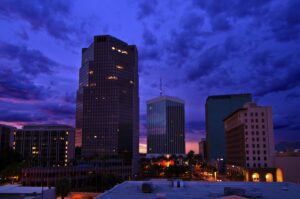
<point>67,133</point>
<point>91,72</point>
<point>131,82</point>
<point>112,77</point>
<point>119,67</point>
<point>119,50</point>
<point>93,84</point>
<point>124,52</point>
<point>113,48</point>
<point>95,136</point>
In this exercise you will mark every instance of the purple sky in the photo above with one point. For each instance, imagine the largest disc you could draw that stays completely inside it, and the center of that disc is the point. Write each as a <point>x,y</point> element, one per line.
<point>199,48</point>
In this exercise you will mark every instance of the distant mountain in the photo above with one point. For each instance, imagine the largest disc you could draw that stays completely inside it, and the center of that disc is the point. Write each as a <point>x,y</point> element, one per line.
<point>290,146</point>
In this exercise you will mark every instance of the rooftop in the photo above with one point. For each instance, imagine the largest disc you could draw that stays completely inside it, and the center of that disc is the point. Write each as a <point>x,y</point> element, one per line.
<point>19,189</point>
<point>164,98</point>
<point>201,189</point>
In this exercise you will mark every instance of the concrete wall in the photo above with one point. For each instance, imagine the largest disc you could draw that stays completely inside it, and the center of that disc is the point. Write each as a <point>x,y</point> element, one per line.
<point>290,166</point>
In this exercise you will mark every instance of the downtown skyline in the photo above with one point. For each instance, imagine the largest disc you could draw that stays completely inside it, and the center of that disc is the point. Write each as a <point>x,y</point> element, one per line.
<point>199,49</point>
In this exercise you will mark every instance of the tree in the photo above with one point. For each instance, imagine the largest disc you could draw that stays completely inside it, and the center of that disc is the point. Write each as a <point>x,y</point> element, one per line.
<point>63,188</point>
<point>190,157</point>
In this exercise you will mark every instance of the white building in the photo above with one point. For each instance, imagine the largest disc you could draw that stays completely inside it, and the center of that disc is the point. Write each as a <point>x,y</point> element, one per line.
<point>22,192</point>
<point>249,137</point>
<point>199,189</point>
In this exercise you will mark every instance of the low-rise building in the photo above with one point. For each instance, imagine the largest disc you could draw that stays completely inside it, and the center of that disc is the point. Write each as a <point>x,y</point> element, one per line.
<point>46,145</point>
<point>199,189</point>
<point>289,163</point>
<point>250,142</point>
<point>22,192</point>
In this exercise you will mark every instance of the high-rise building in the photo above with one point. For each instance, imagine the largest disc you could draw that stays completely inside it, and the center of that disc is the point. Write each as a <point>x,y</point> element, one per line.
<point>47,145</point>
<point>165,126</point>
<point>216,109</point>
<point>249,137</point>
<point>6,138</point>
<point>107,112</point>
<point>202,149</point>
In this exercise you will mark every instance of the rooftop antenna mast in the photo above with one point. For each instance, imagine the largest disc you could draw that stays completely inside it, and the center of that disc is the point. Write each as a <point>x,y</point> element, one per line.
<point>160,88</point>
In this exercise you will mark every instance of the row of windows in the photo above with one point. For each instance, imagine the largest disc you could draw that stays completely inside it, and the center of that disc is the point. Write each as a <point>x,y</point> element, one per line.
<point>257,145</point>
<point>258,165</point>
<point>256,114</point>
<point>256,120</point>
<point>257,133</point>
<point>258,152</point>
<point>257,158</point>
<point>257,139</point>
<point>256,126</point>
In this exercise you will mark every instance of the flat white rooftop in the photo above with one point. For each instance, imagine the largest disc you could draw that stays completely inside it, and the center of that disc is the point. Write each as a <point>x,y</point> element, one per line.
<point>19,189</point>
<point>200,189</point>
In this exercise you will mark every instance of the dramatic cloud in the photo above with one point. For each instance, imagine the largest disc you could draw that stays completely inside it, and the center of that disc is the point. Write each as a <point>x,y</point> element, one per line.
<point>32,62</point>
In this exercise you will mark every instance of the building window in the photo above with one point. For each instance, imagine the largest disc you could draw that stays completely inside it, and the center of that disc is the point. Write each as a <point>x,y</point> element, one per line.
<point>263,126</point>
<point>264,139</point>
<point>258,158</point>
<point>263,120</point>
<point>252,132</point>
<point>254,158</point>
<point>253,152</point>
<point>264,133</point>
<point>256,114</point>
<point>247,158</point>
<point>257,145</point>
<point>91,72</point>
<point>253,145</point>
<point>257,139</point>
<point>265,158</point>
<point>266,165</point>
<point>248,165</point>
<point>265,152</point>
<point>247,152</point>
<point>262,113</point>
<point>264,146</point>
<point>251,114</point>
<point>258,152</point>
<point>112,77</point>
<point>246,145</point>
<point>119,67</point>
<point>254,165</point>
<point>257,132</point>
<point>258,165</point>
<point>253,139</point>
<point>245,114</point>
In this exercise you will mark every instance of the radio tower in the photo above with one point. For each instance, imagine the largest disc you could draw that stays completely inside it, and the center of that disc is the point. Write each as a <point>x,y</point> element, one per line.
<point>160,87</point>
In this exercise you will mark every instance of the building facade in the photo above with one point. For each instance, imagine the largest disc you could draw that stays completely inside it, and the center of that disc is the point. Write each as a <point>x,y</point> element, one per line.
<point>250,143</point>
<point>107,107</point>
<point>216,109</point>
<point>6,136</point>
<point>165,126</point>
<point>249,137</point>
<point>45,145</point>
<point>202,149</point>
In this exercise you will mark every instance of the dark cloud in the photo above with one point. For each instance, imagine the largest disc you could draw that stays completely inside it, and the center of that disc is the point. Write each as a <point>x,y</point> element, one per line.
<point>146,8</point>
<point>14,85</point>
<point>49,15</point>
<point>207,61</point>
<point>149,37</point>
<point>286,23</point>
<point>16,116</point>
<point>32,62</point>
<point>55,110</point>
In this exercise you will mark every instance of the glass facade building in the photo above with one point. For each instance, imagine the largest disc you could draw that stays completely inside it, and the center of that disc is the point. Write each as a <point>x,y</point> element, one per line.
<point>107,107</point>
<point>165,126</point>
<point>216,109</point>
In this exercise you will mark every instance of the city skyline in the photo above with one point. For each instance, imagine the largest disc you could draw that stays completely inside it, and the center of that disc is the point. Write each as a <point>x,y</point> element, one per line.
<point>199,49</point>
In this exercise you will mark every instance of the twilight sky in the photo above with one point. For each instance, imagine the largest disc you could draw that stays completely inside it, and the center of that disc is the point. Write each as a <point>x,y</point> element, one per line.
<point>199,48</point>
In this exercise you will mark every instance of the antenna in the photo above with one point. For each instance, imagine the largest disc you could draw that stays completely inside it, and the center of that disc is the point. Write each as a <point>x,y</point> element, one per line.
<point>160,87</point>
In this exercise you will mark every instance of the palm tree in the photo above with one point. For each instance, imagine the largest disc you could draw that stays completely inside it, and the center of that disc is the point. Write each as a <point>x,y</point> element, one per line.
<point>190,157</point>
<point>63,187</point>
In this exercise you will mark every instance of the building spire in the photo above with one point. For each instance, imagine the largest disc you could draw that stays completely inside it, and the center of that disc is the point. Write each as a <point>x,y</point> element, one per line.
<point>160,87</point>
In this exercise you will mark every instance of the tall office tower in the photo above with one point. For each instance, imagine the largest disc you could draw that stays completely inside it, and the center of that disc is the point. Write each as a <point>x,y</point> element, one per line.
<point>108,99</point>
<point>165,126</point>
<point>202,149</point>
<point>49,145</point>
<point>249,137</point>
<point>216,109</point>
<point>6,138</point>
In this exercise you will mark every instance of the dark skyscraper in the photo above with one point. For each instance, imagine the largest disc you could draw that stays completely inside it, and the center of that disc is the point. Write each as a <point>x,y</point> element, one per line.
<point>165,126</point>
<point>108,100</point>
<point>216,109</point>
<point>6,136</point>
